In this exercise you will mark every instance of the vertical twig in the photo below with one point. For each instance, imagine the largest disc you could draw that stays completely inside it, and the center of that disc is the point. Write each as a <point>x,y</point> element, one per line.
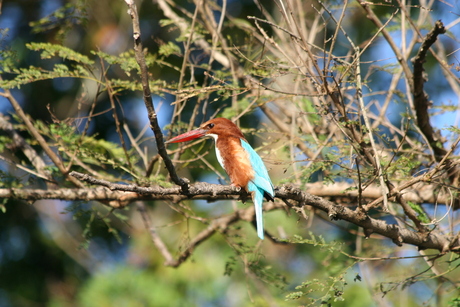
<point>178,107</point>
<point>373,17</point>
<point>369,128</point>
<point>138,50</point>
<point>118,124</point>
<point>153,234</point>
<point>360,187</point>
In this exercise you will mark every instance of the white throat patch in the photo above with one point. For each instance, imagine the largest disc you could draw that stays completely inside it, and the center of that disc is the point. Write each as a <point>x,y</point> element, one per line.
<point>218,155</point>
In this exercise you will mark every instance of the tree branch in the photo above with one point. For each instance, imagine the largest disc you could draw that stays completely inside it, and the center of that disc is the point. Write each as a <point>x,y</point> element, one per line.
<point>153,234</point>
<point>421,102</point>
<point>19,142</point>
<point>433,240</point>
<point>40,139</point>
<point>399,56</point>
<point>140,58</point>
<point>342,192</point>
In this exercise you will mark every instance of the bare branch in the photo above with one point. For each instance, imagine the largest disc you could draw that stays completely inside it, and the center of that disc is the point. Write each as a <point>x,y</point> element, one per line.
<point>413,191</point>
<point>370,225</point>
<point>153,234</point>
<point>140,58</point>
<point>20,143</point>
<point>211,192</point>
<point>40,139</point>
<point>421,102</point>
<point>399,56</point>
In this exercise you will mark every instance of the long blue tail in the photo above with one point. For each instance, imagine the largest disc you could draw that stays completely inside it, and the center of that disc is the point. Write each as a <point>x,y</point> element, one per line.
<point>258,198</point>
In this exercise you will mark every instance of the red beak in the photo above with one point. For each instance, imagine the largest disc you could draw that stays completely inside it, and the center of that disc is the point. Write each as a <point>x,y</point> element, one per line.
<point>188,136</point>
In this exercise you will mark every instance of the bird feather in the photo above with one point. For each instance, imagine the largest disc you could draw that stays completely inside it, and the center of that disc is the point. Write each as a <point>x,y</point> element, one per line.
<point>260,185</point>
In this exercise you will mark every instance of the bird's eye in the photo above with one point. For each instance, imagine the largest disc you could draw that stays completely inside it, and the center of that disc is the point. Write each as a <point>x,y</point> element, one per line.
<point>211,126</point>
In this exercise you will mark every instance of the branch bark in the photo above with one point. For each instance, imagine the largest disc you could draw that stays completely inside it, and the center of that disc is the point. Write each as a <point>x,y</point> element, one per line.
<point>140,58</point>
<point>421,102</point>
<point>341,192</point>
<point>433,240</point>
<point>424,240</point>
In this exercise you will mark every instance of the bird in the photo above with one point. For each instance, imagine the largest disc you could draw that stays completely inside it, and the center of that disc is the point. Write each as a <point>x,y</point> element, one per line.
<point>242,164</point>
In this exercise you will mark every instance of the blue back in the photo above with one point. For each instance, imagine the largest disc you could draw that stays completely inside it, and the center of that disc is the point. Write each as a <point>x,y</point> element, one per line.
<point>262,179</point>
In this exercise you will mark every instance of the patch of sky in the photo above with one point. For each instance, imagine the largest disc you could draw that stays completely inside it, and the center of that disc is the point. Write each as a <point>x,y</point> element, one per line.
<point>63,84</point>
<point>47,7</point>
<point>14,243</point>
<point>389,220</point>
<point>442,216</point>
<point>108,253</point>
<point>137,114</point>
<point>11,17</point>
<point>5,106</point>
<point>299,262</point>
<point>422,293</point>
<point>438,93</point>
<point>445,11</point>
<point>233,8</point>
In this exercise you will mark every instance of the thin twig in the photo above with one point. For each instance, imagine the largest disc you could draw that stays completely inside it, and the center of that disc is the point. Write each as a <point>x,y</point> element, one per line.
<point>19,143</point>
<point>153,234</point>
<point>373,17</point>
<point>118,123</point>
<point>376,155</point>
<point>427,177</point>
<point>140,58</point>
<point>38,137</point>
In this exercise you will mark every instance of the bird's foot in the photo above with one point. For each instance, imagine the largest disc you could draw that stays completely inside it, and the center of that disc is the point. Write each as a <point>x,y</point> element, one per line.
<point>236,186</point>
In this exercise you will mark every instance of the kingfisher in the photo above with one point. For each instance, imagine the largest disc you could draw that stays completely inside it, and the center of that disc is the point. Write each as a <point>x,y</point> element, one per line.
<point>239,160</point>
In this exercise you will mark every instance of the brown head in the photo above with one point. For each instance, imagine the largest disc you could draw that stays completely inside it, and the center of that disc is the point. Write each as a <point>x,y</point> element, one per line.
<point>217,128</point>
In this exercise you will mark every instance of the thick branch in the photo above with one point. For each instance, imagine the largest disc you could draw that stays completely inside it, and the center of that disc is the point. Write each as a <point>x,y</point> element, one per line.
<point>370,225</point>
<point>413,190</point>
<point>194,190</point>
<point>421,102</point>
<point>419,193</point>
<point>433,240</point>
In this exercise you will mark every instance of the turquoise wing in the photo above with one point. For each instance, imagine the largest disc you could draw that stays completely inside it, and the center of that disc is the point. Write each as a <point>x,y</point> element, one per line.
<point>261,178</point>
<point>261,185</point>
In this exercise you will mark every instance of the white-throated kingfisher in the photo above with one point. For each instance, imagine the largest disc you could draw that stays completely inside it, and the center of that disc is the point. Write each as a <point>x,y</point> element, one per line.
<point>242,164</point>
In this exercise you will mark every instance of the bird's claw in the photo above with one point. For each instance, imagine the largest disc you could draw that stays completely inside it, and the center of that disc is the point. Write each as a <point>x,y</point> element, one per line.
<point>238,188</point>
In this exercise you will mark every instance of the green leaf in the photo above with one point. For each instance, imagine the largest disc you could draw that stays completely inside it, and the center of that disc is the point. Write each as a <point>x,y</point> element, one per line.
<point>169,48</point>
<point>421,215</point>
<point>52,50</point>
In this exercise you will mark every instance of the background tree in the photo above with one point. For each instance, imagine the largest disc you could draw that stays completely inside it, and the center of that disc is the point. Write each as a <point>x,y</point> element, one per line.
<point>352,105</point>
